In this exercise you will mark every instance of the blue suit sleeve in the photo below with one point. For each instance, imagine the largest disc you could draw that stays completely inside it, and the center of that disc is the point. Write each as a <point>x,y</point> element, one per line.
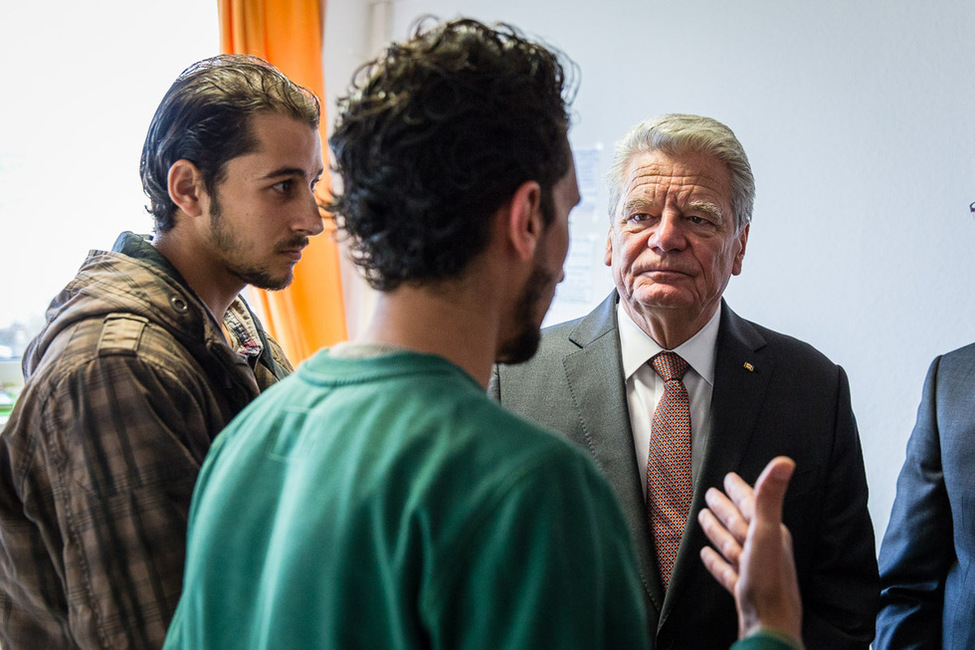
<point>917,550</point>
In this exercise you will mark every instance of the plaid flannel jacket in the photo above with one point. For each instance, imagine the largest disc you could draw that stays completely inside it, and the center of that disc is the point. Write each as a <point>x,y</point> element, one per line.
<point>127,386</point>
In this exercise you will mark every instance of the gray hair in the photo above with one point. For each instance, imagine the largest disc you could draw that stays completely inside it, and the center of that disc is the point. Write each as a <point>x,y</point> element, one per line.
<point>675,134</point>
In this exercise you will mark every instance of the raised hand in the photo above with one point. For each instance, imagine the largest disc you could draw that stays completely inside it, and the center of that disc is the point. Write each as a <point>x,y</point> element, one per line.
<point>753,560</point>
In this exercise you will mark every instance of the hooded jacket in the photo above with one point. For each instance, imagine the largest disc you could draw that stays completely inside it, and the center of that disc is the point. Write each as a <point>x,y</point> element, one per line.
<point>126,387</point>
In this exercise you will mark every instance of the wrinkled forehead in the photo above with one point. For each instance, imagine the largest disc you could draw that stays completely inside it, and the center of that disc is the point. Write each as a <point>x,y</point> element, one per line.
<point>658,176</point>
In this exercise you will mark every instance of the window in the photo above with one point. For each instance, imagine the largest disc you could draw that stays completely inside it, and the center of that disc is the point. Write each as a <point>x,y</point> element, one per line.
<point>82,81</point>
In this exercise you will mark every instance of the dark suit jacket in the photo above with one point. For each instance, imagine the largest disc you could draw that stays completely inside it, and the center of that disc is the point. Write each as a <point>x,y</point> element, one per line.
<point>793,402</point>
<point>927,559</point>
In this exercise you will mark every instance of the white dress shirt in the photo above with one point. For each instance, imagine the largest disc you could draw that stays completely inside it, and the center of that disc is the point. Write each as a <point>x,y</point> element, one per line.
<point>644,387</point>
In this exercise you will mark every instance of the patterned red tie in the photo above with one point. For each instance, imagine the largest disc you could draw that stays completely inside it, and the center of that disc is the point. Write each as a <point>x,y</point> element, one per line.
<point>669,488</point>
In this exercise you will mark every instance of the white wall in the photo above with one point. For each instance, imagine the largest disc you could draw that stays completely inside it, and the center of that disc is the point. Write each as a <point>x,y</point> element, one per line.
<point>857,117</point>
<point>81,82</point>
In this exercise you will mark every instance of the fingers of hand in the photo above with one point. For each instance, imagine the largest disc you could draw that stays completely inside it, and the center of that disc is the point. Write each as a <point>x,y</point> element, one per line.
<point>741,494</point>
<point>727,544</point>
<point>727,513</point>
<point>724,573</point>
<point>786,541</point>
<point>771,487</point>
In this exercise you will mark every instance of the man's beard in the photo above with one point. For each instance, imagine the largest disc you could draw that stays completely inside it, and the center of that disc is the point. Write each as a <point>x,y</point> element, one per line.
<point>524,344</point>
<point>224,241</point>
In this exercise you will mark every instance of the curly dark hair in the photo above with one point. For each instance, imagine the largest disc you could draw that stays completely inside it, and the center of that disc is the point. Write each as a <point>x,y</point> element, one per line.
<point>205,118</point>
<point>435,135</point>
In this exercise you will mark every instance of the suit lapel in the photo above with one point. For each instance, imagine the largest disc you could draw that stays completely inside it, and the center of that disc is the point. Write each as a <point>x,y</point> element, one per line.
<point>743,368</point>
<point>595,378</point>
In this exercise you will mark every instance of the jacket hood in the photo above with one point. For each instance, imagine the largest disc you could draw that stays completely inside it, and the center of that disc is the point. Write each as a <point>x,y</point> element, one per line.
<point>114,282</point>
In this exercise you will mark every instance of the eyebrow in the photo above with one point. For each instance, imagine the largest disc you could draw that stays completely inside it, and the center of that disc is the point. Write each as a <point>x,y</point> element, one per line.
<point>706,207</point>
<point>638,204</point>
<point>289,171</point>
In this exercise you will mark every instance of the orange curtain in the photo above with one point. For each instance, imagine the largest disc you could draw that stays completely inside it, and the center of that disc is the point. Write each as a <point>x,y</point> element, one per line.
<point>310,313</point>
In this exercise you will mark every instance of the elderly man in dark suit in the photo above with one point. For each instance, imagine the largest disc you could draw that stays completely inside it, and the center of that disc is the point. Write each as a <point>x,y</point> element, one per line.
<point>669,389</point>
<point>927,558</point>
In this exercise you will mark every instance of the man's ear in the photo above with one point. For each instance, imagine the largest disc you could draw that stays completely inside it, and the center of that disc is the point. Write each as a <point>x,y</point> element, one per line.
<point>523,221</point>
<point>185,184</point>
<point>742,241</point>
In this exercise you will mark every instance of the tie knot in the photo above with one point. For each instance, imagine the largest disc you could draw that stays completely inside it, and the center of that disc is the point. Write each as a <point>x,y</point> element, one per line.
<point>669,366</point>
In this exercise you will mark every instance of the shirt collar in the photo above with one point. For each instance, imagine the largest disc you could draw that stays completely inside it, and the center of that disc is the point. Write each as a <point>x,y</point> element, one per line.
<point>637,347</point>
<point>238,321</point>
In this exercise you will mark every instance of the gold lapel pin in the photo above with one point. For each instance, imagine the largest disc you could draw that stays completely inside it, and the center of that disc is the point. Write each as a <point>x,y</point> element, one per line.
<point>749,367</point>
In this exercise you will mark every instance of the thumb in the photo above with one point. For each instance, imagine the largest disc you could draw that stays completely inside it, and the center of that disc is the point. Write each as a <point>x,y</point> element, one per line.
<point>770,489</point>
